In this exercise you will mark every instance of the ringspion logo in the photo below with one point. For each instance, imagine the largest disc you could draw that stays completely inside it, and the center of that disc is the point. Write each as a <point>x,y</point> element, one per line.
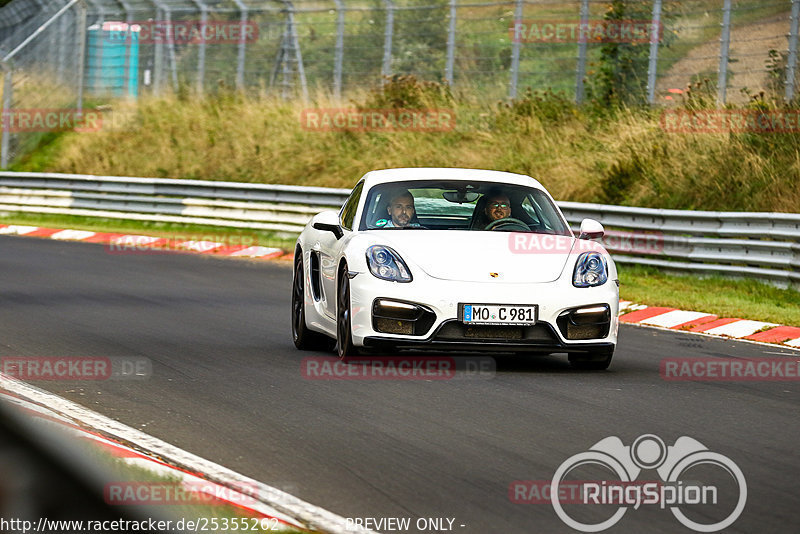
<point>672,464</point>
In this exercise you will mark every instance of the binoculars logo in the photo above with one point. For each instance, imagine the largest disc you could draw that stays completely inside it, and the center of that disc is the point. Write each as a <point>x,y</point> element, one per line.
<point>649,452</point>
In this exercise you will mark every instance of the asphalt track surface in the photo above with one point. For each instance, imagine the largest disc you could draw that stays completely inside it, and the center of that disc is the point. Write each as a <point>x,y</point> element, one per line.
<point>227,386</point>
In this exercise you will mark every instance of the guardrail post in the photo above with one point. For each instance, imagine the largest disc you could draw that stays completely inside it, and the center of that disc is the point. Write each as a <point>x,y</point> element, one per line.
<point>515,46</point>
<point>724,50</point>
<point>451,44</point>
<point>583,43</point>
<point>338,57</point>
<point>791,64</point>
<point>652,68</point>
<point>386,68</point>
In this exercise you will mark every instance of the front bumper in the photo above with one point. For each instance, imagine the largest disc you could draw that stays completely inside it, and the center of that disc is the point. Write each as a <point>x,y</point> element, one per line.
<point>442,298</point>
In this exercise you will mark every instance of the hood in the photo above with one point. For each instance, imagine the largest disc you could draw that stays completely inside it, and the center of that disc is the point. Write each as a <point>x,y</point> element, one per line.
<point>472,256</point>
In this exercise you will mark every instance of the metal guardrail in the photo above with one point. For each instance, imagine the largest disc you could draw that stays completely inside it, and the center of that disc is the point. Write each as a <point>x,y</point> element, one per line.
<point>758,245</point>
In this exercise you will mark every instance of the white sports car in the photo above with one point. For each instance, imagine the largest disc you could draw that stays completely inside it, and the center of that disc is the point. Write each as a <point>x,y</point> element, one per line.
<point>460,259</point>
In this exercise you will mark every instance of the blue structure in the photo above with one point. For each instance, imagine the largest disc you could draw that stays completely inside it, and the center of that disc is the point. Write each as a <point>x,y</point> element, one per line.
<point>112,62</point>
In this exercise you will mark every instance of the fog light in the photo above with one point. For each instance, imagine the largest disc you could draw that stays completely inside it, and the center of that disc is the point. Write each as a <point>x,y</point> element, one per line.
<point>590,322</point>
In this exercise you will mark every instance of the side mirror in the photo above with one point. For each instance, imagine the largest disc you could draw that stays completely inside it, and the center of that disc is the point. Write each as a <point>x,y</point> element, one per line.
<point>591,229</point>
<point>328,221</point>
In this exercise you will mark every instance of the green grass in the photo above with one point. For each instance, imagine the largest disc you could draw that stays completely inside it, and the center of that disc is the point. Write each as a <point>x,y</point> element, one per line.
<point>726,297</point>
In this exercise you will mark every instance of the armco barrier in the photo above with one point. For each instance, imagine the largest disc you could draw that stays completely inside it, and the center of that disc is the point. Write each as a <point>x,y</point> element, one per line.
<point>758,245</point>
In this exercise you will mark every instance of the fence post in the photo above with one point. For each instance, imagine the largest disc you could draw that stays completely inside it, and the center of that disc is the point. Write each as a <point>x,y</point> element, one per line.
<point>242,46</point>
<point>583,43</point>
<point>338,57</point>
<point>724,49</point>
<point>171,48</point>
<point>301,71</point>
<point>791,64</point>
<point>201,47</point>
<point>81,33</point>
<point>97,51</point>
<point>62,48</point>
<point>158,59</point>
<point>451,44</point>
<point>386,68</point>
<point>655,37</point>
<point>128,42</point>
<point>8,87</point>
<point>515,44</point>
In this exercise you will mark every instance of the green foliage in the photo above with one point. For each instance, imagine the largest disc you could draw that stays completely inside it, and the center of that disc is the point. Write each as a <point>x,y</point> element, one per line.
<point>619,76</point>
<point>407,92</point>
<point>548,106</point>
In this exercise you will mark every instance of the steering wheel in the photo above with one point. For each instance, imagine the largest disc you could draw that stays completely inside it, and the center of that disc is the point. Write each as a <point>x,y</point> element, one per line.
<point>510,222</point>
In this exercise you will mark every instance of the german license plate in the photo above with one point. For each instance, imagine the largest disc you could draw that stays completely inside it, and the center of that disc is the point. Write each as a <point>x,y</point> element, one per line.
<point>499,314</point>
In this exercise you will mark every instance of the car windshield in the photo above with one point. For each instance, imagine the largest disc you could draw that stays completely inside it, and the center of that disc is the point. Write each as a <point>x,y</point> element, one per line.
<point>461,205</point>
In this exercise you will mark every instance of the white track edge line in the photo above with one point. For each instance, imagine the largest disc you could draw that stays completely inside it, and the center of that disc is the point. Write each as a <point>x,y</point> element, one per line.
<point>311,515</point>
<point>712,336</point>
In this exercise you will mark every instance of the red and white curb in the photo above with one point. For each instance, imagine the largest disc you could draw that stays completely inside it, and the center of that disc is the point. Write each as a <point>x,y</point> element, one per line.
<point>708,324</point>
<point>193,472</point>
<point>131,243</point>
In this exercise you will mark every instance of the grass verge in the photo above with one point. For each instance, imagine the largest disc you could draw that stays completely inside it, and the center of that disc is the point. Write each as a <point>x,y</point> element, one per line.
<point>584,154</point>
<point>726,297</point>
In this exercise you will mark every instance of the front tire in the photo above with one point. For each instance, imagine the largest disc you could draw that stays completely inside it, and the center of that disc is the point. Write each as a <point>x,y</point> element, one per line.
<point>598,360</point>
<point>304,339</point>
<point>344,331</point>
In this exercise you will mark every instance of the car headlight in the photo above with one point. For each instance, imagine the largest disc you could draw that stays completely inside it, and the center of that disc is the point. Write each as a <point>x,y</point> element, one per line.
<point>590,270</point>
<point>386,264</point>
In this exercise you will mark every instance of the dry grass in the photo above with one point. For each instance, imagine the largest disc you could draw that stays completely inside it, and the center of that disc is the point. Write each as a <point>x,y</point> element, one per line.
<point>619,158</point>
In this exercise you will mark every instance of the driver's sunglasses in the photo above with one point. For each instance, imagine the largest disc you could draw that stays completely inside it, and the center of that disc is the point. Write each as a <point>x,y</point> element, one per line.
<point>495,205</point>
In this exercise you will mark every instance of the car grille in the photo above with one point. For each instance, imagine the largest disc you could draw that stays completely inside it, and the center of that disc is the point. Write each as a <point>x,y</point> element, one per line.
<point>456,331</point>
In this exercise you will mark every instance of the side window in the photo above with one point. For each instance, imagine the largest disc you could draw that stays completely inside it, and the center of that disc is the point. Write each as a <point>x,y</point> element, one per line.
<point>348,212</point>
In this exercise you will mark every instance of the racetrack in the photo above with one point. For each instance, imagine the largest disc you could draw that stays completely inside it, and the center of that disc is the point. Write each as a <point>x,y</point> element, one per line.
<point>227,386</point>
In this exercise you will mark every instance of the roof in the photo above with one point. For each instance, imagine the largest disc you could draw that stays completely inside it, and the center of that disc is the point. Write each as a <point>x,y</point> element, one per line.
<point>447,173</point>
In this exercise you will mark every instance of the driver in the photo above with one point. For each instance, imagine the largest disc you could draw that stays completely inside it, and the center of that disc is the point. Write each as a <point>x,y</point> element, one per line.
<point>401,210</point>
<point>498,206</point>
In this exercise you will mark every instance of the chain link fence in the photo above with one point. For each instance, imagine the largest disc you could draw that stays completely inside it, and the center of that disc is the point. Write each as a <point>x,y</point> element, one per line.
<point>68,54</point>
